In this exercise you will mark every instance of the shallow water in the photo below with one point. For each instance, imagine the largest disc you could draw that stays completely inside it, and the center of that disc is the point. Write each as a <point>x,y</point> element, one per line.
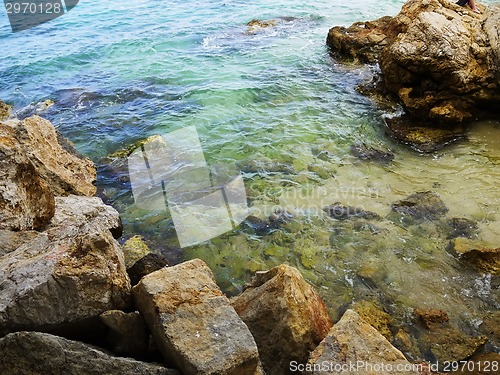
<point>120,72</point>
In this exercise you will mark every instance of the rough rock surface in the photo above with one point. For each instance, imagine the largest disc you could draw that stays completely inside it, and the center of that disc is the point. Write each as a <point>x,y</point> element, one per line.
<point>11,240</point>
<point>128,334</point>
<point>439,59</point>
<point>193,323</point>
<point>285,315</point>
<point>352,340</point>
<point>5,110</point>
<point>55,159</point>
<point>485,259</point>
<point>26,200</point>
<point>27,353</point>
<point>70,273</point>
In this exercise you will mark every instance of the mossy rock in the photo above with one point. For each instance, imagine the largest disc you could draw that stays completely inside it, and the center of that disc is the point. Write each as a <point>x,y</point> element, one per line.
<point>126,151</point>
<point>134,249</point>
<point>376,317</point>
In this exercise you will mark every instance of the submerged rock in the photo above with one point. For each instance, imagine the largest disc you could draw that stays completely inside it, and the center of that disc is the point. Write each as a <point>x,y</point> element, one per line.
<point>341,212</point>
<point>26,199</point>
<point>256,25</point>
<point>68,274</point>
<point>353,341</point>
<point>375,316</point>
<point>421,137</point>
<point>286,316</point>
<point>421,205</point>
<point>432,317</point>
<point>364,152</point>
<point>193,323</point>
<point>461,227</point>
<point>42,353</point>
<point>134,249</point>
<point>484,258</point>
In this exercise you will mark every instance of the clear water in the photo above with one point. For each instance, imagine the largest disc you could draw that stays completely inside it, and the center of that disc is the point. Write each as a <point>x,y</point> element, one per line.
<point>122,71</point>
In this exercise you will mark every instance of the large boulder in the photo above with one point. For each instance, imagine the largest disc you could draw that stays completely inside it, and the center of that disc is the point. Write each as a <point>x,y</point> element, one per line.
<point>439,59</point>
<point>353,342</point>
<point>55,159</point>
<point>193,323</point>
<point>285,315</point>
<point>26,200</point>
<point>68,274</point>
<point>42,353</point>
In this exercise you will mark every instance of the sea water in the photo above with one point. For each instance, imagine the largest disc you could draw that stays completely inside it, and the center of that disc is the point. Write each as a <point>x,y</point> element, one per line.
<point>274,103</point>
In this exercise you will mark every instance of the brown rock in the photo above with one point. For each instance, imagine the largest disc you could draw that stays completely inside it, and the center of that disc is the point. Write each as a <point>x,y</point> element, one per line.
<point>68,274</point>
<point>285,315</point>
<point>65,171</point>
<point>26,200</point>
<point>5,110</point>
<point>353,341</point>
<point>483,258</point>
<point>431,317</point>
<point>482,364</point>
<point>375,316</point>
<point>491,327</point>
<point>41,353</point>
<point>192,322</point>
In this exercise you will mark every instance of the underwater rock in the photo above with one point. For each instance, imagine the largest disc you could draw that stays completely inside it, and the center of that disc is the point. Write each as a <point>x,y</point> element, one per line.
<point>375,316</point>
<point>42,353</point>
<point>423,138</point>
<point>352,340</point>
<point>5,110</point>
<point>341,212</point>
<point>364,152</point>
<point>286,316</point>
<point>75,267</point>
<point>484,259</point>
<point>134,249</point>
<point>146,265</point>
<point>421,205</point>
<point>431,317</point>
<point>480,364</point>
<point>362,42</point>
<point>128,334</point>
<point>26,199</point>
<point>264,166</point>
<point>193,323</point>
<point>275,221</point>
<point>462,227</point>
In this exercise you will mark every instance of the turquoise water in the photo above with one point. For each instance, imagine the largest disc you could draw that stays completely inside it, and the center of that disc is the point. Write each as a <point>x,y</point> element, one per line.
<point>122,71</point>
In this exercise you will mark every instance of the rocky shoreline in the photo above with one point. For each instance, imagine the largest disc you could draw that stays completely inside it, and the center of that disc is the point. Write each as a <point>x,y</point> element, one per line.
<point>438,60</point>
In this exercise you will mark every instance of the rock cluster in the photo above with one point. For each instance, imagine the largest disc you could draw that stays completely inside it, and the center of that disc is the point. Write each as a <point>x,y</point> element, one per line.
<point>439,59</point>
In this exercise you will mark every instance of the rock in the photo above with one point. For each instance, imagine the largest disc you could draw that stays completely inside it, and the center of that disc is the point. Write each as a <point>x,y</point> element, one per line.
<point>353,341</point>
<point>134,249</point>
<point>483,258</point>
<point>364,152</point>
<point>432,317</point>
<point>461,227</point>
<point>482,364</point>
<point>5,110</point>
<point>26,200</point>
<point>362,42</point>
<point>42,353</point>
<point>128,334</point>
<point>65,171</point>
<point>68,274</point>
<point>491,327</point>
<point>10,240</point>
<point>286,316</point>
<point>146,265</point>
<point>422,137</point>
<point>421,205</point>
<point>375,316</point>
<point>193,323</point>
<point>341,212</point>
<point>441,65</point>
<point>256,25</point>
<point>446,343</point>
<point>275,221</point>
